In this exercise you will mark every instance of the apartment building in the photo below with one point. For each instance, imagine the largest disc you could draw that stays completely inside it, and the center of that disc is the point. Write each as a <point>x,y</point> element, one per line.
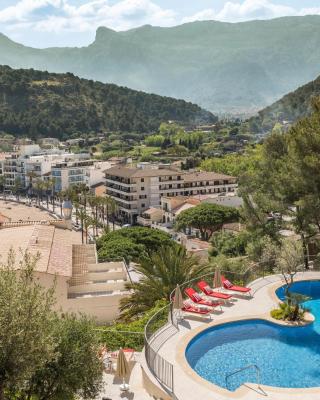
<point>30,162</point>
<point>12,169</point>
<point>69,173</point>
<point>137,189</point>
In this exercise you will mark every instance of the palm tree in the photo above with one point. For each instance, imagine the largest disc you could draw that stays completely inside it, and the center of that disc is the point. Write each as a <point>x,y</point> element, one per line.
<point>39,187</point>
<point>47,185</point>
<point>61,196</point>
<point>53,189</point>
<point>104,206</point>
<point>160,273</point>
<point>92,201</point>
<point>17,187</point>
<point>2,183</point>
<point>88,222</point>
<point>31,175</point>
<point>113,209</point>
<point>82,215</point>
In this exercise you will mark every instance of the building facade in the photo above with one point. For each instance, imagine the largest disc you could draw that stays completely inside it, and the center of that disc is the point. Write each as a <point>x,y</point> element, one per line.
<point>137,189</point>
<point>29,163</point>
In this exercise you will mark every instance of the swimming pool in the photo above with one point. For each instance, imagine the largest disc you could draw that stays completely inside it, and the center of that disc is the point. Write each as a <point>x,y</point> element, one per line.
<point>286,356</point>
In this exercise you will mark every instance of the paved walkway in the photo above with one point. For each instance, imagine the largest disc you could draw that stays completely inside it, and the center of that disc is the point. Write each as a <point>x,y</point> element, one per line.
<point>111,390</point>
<point>189,386</point>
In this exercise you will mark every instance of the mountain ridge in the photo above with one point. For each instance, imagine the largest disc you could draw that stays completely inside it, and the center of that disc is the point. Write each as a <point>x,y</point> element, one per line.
<point>289,109</point>
<point>224,67</point>
<point>39,103</point>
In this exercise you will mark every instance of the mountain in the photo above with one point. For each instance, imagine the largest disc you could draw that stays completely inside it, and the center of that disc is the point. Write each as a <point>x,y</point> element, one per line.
<point>224,67</point>
<point>288,109</point>
<point>36,103</point>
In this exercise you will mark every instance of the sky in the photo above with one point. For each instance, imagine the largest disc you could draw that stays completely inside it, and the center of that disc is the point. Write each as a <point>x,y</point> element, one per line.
<point>47,23</point>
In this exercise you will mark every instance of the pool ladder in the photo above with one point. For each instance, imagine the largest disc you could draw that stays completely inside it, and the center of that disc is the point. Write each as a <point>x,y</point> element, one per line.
<point>257,369</point>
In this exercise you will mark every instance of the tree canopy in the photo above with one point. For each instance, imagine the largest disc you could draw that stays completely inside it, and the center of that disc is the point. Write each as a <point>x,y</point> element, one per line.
<point>131,243</point>
<point>206,217</point>
<point>36,104</point>
<point>287,180</point>
<point>160,272</point>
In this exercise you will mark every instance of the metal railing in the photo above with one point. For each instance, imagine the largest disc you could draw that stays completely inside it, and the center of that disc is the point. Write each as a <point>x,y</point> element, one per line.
<point>164,323</point>
<point>159,366</point>
<point>254,366</point>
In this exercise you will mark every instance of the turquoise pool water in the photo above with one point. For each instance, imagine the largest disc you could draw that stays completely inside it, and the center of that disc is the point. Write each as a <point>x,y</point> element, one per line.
<point>287,356</point>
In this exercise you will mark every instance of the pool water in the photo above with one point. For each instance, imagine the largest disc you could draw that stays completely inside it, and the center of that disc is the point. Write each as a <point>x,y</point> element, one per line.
<point>286,356</point>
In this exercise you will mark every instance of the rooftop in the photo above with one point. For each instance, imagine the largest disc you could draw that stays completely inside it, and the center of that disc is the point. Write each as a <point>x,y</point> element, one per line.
<point>124,172</point>
<point>150,172</point>
<point>54,246</point>
<point>205,176</point>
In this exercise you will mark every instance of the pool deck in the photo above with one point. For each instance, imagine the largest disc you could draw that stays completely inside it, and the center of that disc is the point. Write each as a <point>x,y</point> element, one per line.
<point>188,385</point>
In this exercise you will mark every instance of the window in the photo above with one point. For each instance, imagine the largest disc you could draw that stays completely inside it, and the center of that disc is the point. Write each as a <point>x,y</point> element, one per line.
<point>142,187</point>
<point>143,205</point>
<point>142,196</point>
<point>142,180</point>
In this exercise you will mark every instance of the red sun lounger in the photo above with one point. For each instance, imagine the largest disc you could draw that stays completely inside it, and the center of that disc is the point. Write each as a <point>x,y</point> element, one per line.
<point>208,291</point>
<point>229,286</point>
<point>196,298</point>
<point>195,309</point>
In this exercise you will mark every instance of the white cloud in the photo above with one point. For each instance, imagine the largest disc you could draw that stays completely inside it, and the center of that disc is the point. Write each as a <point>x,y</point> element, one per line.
<point>63,16</point>
<point>59,16</point>
<point>248,10</point>
<point>25,8</point>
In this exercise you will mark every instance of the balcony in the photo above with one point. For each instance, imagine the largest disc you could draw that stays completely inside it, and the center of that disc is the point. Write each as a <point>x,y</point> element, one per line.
<point>122,181</point>
<point>119,189</point>
<point>117,196</point>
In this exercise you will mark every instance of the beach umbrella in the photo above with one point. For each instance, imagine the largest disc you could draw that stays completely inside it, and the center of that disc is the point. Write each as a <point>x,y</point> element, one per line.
<point>122,369</point>
<point>177,301</point>
<point>217,281</point>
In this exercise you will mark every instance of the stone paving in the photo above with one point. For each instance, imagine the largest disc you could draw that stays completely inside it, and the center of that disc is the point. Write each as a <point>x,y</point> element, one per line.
<point>111,390</point>
<point>16,212</point>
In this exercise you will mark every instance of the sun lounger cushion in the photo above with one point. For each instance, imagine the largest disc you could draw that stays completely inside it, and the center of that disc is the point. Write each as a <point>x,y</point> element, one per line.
<point>208,289</point>
<point>202,307</point>
<point>197,296</point>
<point>227,284</point>
<point>188,303</point>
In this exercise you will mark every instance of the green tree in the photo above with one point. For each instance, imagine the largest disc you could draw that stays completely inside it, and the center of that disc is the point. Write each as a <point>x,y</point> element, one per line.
<point>74,370</point>
<point>207,218</point>
<point>287,180</point>
<point>131,243</point>
<point>234,164</point>
<point>229,244</point>
<point>119,248</point>
<point>160,273</point>
<point>27,320</point>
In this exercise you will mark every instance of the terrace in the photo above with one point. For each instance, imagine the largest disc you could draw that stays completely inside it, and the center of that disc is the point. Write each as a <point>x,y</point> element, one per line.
<point>165,361</point>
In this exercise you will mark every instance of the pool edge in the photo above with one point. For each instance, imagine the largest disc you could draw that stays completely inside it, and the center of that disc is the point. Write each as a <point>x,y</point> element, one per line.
<point>242,390</point>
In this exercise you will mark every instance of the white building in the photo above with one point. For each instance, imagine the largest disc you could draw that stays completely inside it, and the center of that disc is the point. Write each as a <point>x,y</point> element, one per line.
<point>137,189</point>
<point>69,173</point>
<point>31,163</point>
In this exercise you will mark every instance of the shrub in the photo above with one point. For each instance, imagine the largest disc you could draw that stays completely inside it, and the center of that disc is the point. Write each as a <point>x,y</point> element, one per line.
<point>113,337</point>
